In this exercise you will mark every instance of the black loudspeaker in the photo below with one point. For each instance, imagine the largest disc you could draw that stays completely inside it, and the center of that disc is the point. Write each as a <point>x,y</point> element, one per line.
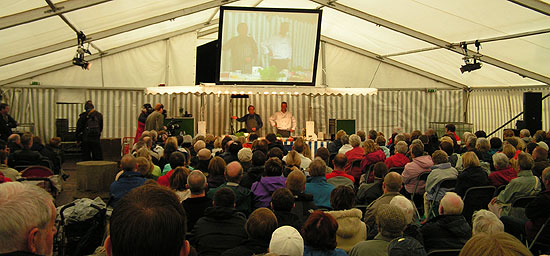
<point>532,111</point>
<point>207,57</point>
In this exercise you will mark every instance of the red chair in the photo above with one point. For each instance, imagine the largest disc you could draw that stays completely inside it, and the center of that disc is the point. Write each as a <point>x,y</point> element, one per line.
<point>36,171</point>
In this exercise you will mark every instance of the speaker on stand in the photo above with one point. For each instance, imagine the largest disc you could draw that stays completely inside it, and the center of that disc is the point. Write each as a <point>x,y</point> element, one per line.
<point>532,111</point>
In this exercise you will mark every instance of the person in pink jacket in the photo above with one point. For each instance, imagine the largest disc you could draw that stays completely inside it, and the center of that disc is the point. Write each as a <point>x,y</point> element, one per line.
<point>420,163</point>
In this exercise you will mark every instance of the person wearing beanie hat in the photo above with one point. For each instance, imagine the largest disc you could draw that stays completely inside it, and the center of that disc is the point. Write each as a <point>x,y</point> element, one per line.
<point>406,246</point>
<point>390,222</point>
<point>245,158</point>
<point>88,132</point>
<point>286,240</point>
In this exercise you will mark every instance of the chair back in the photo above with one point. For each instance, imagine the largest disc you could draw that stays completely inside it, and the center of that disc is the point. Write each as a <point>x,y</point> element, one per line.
<point>443,186</point>
<point>36,171</point>
<point>477,198</point>
<point>421,177</point>
<point>444,252</point>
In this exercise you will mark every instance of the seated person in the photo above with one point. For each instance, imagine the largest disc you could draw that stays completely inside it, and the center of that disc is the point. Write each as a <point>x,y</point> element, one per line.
<point>259,227</point>
<point>351,230</point>
<point>503,173</point>
<point>222,226</point>
<point>472,176</point>
<point>26,156</point>
<point>54,153</point>
<point>484,221</point>
<point>420,163</point>
<point>150,205</point>
<point>318,185</point>
<point>272,180</point>
<point>369,192</point>
<point>399,159</point>
<point>286,240</point>
<point>338,177</point>
<point>198,201</point>
<point>303,203</point>
<point>390,221</point>
<point>243,196</point>
<point>524,185</point>
<point>441,170</point>
<point>319,233</point>
<point>127,181</point>
<point>407,207</point>
<point>28,232</point>
<point>449,230</point>
<point>282,203</point>
<point>392,185</point>
<point>501,243</point>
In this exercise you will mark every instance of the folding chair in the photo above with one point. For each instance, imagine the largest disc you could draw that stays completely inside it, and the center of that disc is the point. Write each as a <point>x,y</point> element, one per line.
<point>538,235</point>
<point>40,176</point>
<point>476,198</point>
<point>518,207</point>
<point>419,204</point>
<point>444,185</point>
<point>444,252</point>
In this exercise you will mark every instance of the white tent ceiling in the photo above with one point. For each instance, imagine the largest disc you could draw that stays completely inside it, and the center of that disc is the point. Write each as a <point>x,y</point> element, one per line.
<point>420,36</point>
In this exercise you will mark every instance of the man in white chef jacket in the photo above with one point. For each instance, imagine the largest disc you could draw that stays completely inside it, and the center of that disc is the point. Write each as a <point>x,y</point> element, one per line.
<point>283,121</point>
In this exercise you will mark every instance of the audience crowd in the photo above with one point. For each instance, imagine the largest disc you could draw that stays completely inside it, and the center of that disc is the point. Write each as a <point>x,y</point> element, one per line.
<point>232,195</point>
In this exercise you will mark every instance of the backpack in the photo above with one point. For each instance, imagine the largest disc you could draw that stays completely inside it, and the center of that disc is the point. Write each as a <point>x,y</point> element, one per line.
<point>93,128</point>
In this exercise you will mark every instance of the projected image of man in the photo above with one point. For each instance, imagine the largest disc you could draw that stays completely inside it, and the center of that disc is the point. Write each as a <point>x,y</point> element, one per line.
<point>243,50</point>
<point>279,48</point>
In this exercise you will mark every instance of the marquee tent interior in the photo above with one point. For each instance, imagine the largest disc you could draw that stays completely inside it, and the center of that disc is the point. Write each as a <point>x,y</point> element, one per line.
<point>399,50</point>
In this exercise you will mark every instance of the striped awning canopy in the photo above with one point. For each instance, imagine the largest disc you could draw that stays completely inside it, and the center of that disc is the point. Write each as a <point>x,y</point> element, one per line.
<point>280,90</point>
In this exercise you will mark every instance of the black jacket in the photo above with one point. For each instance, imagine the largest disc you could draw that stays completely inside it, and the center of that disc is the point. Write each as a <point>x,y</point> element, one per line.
<point>248,248</point>
<point>55,155</point>
<point>81,125</point>
<point>27,157</point>
<point>334,146</point>
<point>285,218</point>
<point>302,204</point>
<point>278,144</point>
<point>220,229</point>
<point>194,209</point>
<point>470,177</point>
<point>369,192</point>
<point>254,174</point>
<point>446,232</point>
<point>5,126</point>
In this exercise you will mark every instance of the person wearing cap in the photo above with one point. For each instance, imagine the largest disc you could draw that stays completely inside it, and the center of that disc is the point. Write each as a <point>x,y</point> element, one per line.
<point>252,120</point>
<point>88,132</point>
<point>286,240</point>
<point>243,196</point>
<point>145,112</point>
<point>245,158</point>
<point>155,120</point>
<point>390,222</point>
<point>203,159</point>
<point>259,227</point>
<point>283,121</point>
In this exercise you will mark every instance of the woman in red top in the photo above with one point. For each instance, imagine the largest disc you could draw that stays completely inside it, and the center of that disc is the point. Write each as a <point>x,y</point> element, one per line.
<point>373,154</point>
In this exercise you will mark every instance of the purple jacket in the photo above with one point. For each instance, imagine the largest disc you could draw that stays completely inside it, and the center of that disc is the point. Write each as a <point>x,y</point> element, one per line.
<point>264,188</point>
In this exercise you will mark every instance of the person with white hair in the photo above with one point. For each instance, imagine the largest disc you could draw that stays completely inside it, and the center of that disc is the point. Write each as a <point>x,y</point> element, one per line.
<point>409,210</point>
<point>525,135</point>
<point>27,215</point>
<point>399,159</point>
<point>484,221</point>
<point>449,230</point>
<point>503,173</point>
<point>356,153</point>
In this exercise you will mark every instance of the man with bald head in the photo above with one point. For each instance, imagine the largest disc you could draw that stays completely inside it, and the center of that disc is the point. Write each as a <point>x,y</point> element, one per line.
<point>391,186</point>
<point>128,180</point>
<point>449,230</point>
<point>198,201</point>
<point>243,196</point>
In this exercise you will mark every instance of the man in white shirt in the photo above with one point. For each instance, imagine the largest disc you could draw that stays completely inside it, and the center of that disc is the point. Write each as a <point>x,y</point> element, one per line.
<point>279,48</point>
<point>283,121</point>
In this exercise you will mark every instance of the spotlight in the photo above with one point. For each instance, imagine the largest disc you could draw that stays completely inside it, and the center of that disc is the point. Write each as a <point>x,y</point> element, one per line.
<point>470,67</point>
<point>80,51</point>
<point>84,64</point>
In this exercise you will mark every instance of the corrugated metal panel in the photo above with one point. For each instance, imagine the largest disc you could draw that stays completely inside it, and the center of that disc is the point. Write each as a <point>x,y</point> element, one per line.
<point>120,108</point>
<point>488,109</point>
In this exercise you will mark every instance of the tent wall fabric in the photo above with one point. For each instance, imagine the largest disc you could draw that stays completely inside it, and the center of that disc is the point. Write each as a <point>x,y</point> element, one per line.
<point>488,109</point>
<point>120,108</point>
